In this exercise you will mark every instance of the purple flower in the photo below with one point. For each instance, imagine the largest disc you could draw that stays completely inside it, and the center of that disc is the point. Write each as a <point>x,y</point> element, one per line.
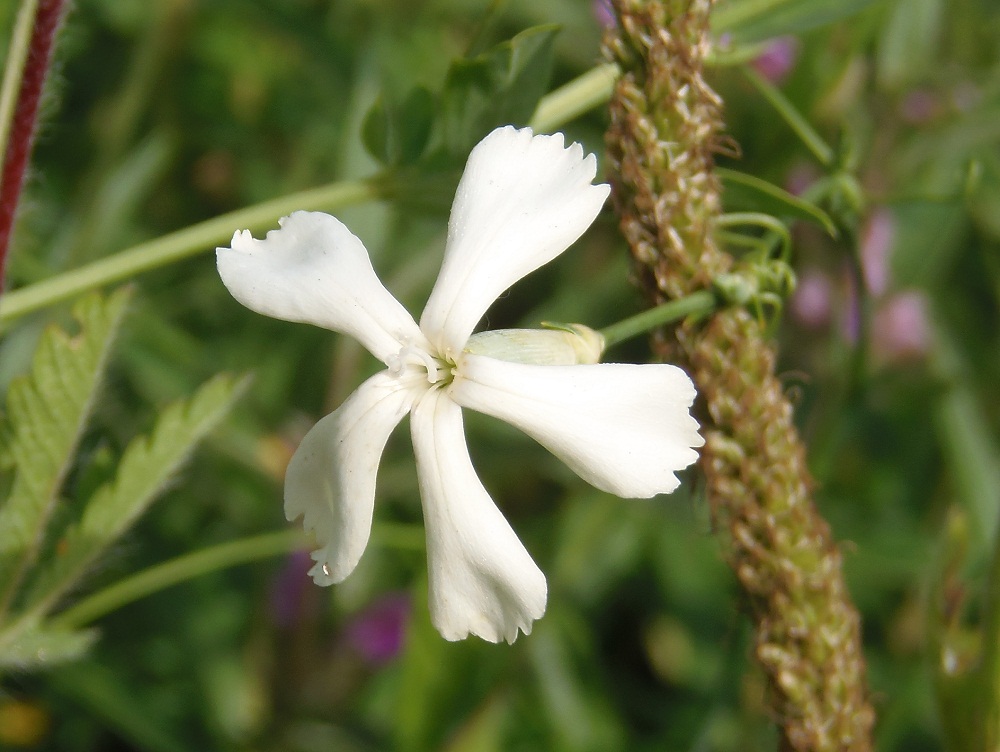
<point>901,328</point>
<point>288,590</point>
<point>876,248</point>
<point>604,12</point>
<point>850,319</point>
<point>378,631</point>
<point>812,301</point>
<point>778,58</point>
<point>919,106</point>
<point>800,176</point>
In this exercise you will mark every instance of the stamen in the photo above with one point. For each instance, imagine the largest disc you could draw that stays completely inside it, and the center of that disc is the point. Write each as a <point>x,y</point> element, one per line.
<point>415,356</point>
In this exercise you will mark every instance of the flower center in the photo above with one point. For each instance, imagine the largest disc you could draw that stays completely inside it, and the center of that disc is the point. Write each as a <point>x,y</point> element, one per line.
<point>416,360</point>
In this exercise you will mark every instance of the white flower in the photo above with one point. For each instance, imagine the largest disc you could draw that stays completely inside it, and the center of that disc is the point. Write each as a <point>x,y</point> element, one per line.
<point>626,429</point>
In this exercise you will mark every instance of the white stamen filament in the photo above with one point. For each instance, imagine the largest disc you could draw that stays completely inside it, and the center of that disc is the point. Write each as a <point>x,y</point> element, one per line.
<point>415,356</point>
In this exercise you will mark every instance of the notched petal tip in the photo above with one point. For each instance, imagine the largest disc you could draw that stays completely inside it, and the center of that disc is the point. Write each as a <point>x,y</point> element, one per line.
<point>522,201</point>
<point>314,270</point>
<point>625,429</point>
<point>330,481</point>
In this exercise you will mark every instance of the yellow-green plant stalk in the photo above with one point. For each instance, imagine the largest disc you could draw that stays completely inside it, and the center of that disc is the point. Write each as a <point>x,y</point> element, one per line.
<point>665,127</point>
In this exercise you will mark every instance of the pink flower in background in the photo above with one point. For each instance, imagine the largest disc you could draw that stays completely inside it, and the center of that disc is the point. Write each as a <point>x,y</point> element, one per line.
<point>901,327</point>
<point>778,59</point>
<point>288,590</point>
<point>800,177</point>
<point>920,106</point>
<point>378,631</point>
<point>812,302</point>
<point>850,316</point>
<point>604,13</point>
<point>876,248</point>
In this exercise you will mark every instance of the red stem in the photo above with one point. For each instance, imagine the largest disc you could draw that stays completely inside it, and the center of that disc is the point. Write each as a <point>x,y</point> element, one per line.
<point>23,126</point>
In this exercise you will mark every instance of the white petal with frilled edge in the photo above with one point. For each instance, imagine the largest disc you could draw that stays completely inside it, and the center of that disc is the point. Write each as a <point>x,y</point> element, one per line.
<point>330,480</point>
<point>624,428</point>
<point>314,270</point>
<point>481,579</point>
<point>521,202</point>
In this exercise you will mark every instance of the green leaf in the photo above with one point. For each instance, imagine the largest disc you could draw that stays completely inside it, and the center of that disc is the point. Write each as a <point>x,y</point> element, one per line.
<point>128,711</point>
<point>148,464</point>
<point>929,236</point>
<point>396,131</point>
<point>577,718</point>
<point>756,20</point>
<point>748,193</point>
<point>907,48</point>
<point>967,444</point>
<point>42,647</point>
<point>500,87</point>
<point>45,414</point>
<point>791,115</point>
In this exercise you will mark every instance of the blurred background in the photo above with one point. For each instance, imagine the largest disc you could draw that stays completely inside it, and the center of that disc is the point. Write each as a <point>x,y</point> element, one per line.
<point>163,114</point>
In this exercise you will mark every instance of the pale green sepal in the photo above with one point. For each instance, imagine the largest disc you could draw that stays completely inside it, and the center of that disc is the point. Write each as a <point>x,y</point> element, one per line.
<point>557,345</point>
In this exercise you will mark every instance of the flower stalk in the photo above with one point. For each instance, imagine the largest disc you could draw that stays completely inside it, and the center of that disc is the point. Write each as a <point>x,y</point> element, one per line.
<point>665,128</point>
<point>32,61</point>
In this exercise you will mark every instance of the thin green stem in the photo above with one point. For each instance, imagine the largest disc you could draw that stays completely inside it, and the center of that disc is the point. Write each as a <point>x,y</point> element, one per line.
<point>989,670</point>
<point>732,16</point>
<point>180,245</point>
<point>558,107</point>
<point>175,571</point>
<point>760,245</point>
<point>214,558</point>
<point>697,303</point>
<point>759,219</point>
<point>17,55</point>
<point>813,141</point>
<point>581,94</point>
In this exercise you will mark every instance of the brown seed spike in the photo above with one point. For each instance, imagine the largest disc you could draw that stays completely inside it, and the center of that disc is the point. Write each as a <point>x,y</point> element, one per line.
<point>665,127</point>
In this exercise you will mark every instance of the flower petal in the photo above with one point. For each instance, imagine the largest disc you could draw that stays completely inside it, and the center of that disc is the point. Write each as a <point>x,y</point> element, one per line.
<point>330,480</point>
<point>481,579</point>
<point>623,428</point>
<point>314,270</point>
<point>521,202</point>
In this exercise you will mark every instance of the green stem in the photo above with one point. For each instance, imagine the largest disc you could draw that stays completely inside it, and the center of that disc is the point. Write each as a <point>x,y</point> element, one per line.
<point>988,690</point>
<point>732,16</point>
<point>696,304</point>
<point>759,219</point>
<point>813,141</point>
<point>575,98</point>
<point>214,558</point>
<point>555,109</point>
<point>175,571</point>
<point>179,245</point>
<point>14,67</point>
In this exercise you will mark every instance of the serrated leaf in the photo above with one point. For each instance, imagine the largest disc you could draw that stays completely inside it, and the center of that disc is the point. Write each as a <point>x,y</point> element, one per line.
<point>43,647</point>
<point>500,87</point>
<point>756,20</point>
<point>745,192</point>
<point>147,465</point>
<point>395,130</point>
<point>46,412</point>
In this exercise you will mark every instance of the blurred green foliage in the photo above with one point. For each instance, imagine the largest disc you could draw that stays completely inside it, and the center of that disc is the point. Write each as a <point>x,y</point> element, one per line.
<point>164,114</point>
